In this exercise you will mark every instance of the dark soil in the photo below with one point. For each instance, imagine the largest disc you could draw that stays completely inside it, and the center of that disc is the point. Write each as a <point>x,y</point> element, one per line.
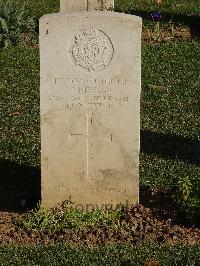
<point>137,225</point>
<point>166,35</point>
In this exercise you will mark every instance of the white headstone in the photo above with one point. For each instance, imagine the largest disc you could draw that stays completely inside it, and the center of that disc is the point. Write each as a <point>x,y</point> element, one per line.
<point>90,108</point>
<point>86,5</point>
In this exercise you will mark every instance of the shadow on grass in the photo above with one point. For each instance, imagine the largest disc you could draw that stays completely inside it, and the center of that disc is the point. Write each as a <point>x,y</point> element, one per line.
<point>192,21</point>
<point>171,146</point>
<point>162,206</point>
<point>20,187</point>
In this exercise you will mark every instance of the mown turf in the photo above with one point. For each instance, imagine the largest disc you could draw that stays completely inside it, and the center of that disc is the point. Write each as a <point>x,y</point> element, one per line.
<point>178,19</point>
<point>169,135</point>
<point>169,7</point>
<point>19,86</point>
<point>170,120</point>
<point>169,115</point>
<point>107,255</point>
<point>170,80</point>
<point>172,10</point>
<point>170,98</point>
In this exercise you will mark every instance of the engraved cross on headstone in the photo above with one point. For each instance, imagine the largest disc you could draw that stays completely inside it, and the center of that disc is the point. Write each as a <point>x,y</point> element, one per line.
<point>86,5</point>
<point>90,140</point>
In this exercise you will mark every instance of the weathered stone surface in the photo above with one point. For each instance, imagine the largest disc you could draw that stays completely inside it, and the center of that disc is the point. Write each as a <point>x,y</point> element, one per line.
<point>90,108</point>
<point>86,5</point>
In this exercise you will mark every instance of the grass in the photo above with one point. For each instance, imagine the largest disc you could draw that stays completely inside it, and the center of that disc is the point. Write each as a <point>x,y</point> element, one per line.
<point>170,89</point>
<point>169,119</point>
<point>170,84</point>
<point>106,255</point>
<point>170,7</point>
<point>170,114</point>
<point>19,88</point>
<point>169,157</point>
<point>41,7</point>
<point>19,20</point>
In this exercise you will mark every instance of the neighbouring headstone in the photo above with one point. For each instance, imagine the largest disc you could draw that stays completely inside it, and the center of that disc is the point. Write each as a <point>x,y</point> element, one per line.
<point>90,108</point>
<point>86,5</point>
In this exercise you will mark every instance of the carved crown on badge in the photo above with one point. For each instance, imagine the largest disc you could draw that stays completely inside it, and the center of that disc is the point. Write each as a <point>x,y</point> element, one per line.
<point>91,49</point>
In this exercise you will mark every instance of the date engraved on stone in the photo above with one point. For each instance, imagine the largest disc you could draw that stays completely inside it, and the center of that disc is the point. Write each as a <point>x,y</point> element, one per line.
<point>92,50</point>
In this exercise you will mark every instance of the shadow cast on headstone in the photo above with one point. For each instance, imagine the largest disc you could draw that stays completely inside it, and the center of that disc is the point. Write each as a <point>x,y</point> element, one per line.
<point>20,186</point>
<point>171,146</point>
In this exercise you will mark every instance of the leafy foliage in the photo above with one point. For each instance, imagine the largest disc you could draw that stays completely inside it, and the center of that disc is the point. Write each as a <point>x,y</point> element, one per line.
<point>17,26</point>
<point>188,196</point>
<point>37,8</point>
<point>67,217</point>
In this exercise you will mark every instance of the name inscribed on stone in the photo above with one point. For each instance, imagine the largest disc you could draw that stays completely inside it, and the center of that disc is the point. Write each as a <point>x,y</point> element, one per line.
<point>89,93</point>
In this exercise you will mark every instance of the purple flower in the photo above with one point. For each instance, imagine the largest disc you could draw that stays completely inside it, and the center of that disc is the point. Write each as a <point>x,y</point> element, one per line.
<point>156,16</point>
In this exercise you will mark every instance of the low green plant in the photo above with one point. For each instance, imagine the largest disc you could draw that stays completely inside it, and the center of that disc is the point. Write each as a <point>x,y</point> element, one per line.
<point>68,217</point>
<point>185,187</point>
<point>188,197</point>
<point>156,17</point>
<point>17,26</point>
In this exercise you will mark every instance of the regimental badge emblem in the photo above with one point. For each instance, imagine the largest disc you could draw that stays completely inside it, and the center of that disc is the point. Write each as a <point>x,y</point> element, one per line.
<point>92,50</point>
